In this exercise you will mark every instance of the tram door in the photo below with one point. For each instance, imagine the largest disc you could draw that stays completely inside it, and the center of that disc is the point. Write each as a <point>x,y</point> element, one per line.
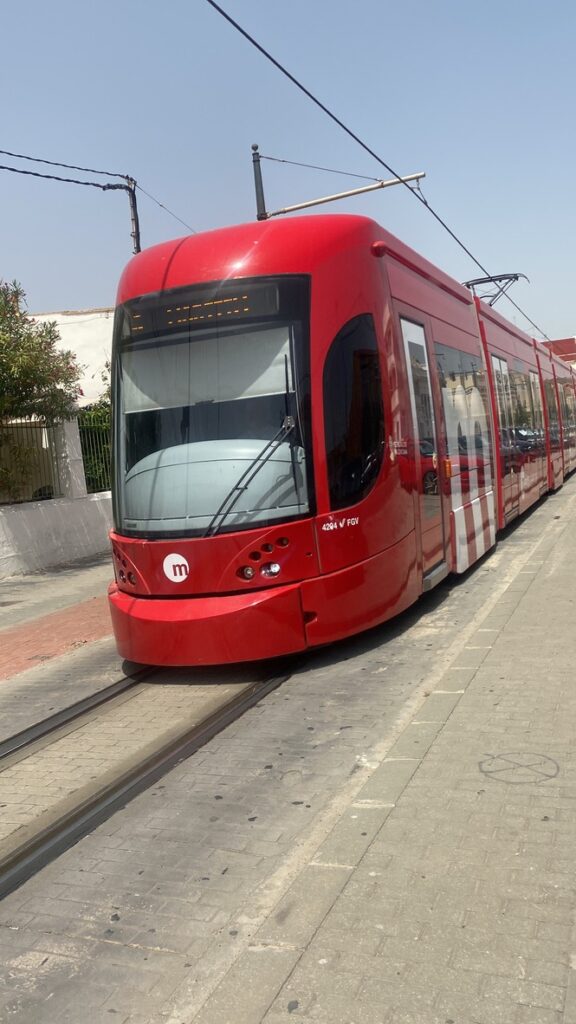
<point>425,444</point>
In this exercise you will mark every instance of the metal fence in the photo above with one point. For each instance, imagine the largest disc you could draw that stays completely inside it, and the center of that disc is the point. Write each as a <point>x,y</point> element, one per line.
<point>94,428</point>
<point>28,461</point>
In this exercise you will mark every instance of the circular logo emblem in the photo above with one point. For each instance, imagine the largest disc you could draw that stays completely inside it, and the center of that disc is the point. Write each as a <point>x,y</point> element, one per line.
<point>176,568</point>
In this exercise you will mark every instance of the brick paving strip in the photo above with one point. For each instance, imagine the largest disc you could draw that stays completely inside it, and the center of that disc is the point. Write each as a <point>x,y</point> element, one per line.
<point>52,635</point>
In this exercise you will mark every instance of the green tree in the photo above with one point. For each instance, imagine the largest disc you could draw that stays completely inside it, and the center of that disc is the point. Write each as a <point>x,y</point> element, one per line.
<point>36,380</point>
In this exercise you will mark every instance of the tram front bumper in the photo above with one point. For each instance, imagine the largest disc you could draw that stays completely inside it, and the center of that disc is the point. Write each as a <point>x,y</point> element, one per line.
<point>208,630</point>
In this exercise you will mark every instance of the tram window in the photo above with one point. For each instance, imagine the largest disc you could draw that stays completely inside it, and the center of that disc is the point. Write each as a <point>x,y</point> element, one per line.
<point>551,402</point>
<point>571,406</point>
<point>465,400</point>
<point>565,414</point>
<point>522,409</point>
<point>538,411</point>
<point>212,418</point>
<point>353,412</point>
<point>552,407</point>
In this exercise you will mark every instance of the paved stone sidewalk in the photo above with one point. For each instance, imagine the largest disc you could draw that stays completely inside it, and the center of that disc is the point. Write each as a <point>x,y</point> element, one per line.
<point>446,893</point>
<point>56,643</point>
<point>44,615</point>
<point>52,635</point>
<point>462,907</point>
<point>26,598</point>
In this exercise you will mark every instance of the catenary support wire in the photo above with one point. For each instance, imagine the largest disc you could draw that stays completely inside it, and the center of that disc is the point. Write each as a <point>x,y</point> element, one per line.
<point>371,152</point>
<point>163,207</point>
<point>315,167</point>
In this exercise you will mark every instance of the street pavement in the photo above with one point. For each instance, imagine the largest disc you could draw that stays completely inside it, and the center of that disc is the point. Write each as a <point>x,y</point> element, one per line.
<point>386,839</point>
<point>56,644</point>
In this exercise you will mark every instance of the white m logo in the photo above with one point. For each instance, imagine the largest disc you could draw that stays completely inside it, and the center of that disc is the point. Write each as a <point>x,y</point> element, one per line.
<point>176,568</point>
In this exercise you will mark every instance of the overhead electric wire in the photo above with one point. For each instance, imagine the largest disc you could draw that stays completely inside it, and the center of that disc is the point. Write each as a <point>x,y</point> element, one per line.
<point>360,142</point>
<point>54,177</point>
<point>340,123</point>
<point>88,170</point>
<point>526,317</point>
<point>54,163</point>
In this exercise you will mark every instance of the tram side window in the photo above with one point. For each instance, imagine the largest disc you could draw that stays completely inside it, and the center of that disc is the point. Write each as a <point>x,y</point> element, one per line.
<point>526,413</point>
<point>522,412</point>
<point>465,399</point>
<point>504,397</point>
<point>553,420</point>
<point>538,410</point>
<point>353,412</point>
<point>571,405</point>
<point>565,414</point>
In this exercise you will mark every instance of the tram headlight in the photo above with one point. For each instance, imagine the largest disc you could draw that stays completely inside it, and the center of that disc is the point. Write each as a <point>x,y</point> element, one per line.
<point>270,569</point>
<point>246,572</point>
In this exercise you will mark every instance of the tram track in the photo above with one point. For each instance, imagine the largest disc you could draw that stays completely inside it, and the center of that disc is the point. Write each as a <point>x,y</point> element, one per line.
<point>38,730</point>
<point>64,819</point>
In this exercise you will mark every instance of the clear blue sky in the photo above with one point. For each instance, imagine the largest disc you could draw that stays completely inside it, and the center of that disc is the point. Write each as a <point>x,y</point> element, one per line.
<point>480,97</point>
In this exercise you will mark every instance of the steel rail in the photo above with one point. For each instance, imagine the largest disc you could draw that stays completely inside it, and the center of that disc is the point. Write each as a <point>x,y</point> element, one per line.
<point>82,816</point>
<point>28,736</point>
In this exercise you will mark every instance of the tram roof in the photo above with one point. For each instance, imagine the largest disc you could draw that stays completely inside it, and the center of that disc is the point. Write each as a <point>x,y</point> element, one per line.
<point>292,245</point>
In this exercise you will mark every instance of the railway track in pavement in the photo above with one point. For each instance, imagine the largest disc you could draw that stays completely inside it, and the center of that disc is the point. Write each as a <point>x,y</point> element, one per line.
<point>63,776</point>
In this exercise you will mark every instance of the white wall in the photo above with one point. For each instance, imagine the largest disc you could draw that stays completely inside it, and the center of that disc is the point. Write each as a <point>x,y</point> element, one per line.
<point>87,333</point>
<point>37,535</point>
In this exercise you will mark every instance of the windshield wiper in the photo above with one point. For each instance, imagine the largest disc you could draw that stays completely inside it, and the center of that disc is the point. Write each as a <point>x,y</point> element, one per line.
<point>248,475</point>
<point>287,413</point>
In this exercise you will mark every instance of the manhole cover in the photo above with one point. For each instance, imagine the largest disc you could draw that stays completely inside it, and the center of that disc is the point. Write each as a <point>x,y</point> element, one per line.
<point>519,768</point>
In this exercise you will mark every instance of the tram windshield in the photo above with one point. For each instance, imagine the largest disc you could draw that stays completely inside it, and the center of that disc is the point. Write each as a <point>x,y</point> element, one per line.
<point>211,396</point>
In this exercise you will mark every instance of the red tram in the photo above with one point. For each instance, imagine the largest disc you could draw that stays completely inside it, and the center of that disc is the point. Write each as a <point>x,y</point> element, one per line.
<point>313,425</point>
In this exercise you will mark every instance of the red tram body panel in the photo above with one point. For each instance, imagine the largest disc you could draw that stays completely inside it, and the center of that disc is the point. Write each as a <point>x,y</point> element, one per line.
<point>312,426</point>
